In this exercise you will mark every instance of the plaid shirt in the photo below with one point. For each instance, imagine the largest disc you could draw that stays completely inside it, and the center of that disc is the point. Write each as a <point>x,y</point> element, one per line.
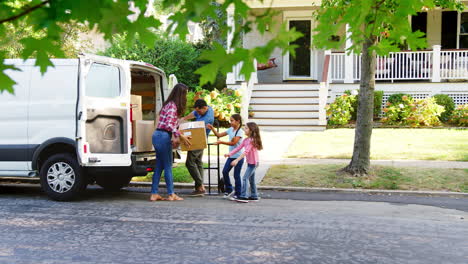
<point>168,119</point>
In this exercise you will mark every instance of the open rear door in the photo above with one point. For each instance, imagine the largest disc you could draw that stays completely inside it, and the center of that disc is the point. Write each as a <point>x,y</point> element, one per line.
<point>103,112</point>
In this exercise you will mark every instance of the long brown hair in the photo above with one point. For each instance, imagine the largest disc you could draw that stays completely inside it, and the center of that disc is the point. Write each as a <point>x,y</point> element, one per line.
<point>179,97</point>
<point>255,135</point>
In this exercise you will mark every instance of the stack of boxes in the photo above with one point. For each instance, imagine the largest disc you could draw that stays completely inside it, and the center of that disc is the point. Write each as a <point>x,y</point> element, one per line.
<point>142,129</point>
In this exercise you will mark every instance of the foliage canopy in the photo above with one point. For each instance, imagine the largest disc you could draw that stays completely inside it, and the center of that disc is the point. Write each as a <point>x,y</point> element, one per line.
<point>112,16</point>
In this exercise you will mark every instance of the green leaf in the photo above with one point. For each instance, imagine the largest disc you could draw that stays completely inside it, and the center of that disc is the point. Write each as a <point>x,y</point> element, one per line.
<point>42,48</point>
<point>6,83</point>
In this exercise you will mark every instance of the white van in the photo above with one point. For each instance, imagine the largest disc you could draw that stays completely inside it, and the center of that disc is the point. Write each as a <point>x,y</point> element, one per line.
<point>71,126</point>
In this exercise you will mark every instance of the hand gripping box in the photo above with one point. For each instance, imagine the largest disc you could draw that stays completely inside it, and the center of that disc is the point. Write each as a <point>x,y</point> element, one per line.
<point>197,131</point>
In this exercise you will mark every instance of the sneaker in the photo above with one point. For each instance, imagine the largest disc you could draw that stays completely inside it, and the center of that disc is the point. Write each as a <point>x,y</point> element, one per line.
<point>233,198</point>
<point>228,195</point>
<point>253,199</point>
<point>242,200</point>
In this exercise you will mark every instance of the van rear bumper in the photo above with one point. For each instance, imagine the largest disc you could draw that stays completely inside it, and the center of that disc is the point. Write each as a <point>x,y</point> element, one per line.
<point>141,165</point>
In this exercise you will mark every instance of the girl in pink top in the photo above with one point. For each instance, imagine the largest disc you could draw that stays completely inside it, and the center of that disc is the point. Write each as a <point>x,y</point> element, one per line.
<point>252,144</point>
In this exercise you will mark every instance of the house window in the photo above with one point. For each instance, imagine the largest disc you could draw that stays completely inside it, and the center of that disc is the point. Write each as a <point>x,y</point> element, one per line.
<point>454,37</point>
<point>463,37</point>
<point>419,22</point>
<point>449,31</point>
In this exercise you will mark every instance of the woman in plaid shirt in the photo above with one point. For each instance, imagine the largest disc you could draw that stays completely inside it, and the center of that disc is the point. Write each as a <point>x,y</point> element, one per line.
<point>164,137</point>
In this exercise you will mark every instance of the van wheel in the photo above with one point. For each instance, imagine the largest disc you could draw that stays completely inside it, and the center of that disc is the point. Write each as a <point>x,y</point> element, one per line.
<point>113,182</point>
<point>61,177</point>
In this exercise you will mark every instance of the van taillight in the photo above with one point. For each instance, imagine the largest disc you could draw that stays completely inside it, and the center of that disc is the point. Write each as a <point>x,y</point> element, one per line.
<point>131,121</point>
<point>85,148</point>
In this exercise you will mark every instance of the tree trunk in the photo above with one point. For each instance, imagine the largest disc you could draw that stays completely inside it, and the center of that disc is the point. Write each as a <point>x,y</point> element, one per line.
<point>360,162</point>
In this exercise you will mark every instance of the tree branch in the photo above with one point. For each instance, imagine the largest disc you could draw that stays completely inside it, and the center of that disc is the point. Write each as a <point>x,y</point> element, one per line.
<point>25,12</point>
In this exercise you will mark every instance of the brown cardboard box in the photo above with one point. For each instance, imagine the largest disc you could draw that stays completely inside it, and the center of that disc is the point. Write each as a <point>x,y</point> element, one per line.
<point>197,131</point>
<point>142,135</point>
<point>136,105</point>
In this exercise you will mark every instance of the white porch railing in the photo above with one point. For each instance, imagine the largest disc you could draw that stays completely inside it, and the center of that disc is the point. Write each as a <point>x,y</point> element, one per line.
<point>453,64</point>
<point>406,65</point>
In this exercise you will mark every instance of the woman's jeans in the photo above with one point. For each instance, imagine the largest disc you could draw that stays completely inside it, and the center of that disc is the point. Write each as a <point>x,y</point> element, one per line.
<point>249,177</point>
<point>163,146</point>
<point>237,179</point>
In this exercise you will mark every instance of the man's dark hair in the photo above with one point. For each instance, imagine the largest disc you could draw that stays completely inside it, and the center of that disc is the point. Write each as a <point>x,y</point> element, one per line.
<point>200,103</point>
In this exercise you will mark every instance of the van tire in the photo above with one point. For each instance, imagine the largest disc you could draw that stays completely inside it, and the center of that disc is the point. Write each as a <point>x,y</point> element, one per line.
<point>70,185</point>
<point>113,182</point>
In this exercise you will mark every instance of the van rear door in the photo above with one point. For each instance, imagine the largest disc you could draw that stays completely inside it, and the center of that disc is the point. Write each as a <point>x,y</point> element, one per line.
<point>103,112</point>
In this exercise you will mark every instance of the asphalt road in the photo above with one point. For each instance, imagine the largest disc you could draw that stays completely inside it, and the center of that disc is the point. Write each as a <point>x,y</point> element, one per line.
<point>295,228</point>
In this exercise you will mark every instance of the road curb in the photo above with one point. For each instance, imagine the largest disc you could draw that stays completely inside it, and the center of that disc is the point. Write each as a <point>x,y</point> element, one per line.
<point>325,190</point>
<point>303,189</point>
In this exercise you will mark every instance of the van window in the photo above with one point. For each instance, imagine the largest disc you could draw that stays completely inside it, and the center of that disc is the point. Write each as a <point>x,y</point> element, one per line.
<point>103,81</point>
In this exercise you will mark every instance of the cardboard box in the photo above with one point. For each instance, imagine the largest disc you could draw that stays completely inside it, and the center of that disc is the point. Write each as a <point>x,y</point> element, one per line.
<point>136,106</point>
<point>197,131</point>
<point>142,135</point>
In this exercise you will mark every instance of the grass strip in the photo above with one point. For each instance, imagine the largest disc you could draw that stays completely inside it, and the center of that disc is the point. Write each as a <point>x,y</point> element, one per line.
<point>381,177</point>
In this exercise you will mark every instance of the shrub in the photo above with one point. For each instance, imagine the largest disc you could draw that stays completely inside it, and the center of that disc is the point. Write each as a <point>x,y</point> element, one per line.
<point>224,103</point>
<point>339,112</point>
<point>378,95</point>
<point>172,55</point>
<point>460,116</point>
<point>398,98</point>
<point>425,112</point>
<point>448,104</point>
<point>398,113</point>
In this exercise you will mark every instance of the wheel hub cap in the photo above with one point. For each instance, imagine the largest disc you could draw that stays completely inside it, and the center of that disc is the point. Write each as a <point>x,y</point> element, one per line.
<point>60,177</point>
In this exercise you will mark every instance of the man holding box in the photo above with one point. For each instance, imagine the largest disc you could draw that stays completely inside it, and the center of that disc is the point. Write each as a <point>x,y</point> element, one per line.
<point>194,163</point>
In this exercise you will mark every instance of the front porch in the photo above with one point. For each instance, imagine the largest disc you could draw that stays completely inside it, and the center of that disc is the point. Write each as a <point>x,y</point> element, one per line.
<point>299,105</point>
<point>315,77</point>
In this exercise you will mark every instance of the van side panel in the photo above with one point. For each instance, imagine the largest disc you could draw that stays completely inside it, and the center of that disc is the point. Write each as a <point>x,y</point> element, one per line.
<point>52,103</point>
<point>13,119</point>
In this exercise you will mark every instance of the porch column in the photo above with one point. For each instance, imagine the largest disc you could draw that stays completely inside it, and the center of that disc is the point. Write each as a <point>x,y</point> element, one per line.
<point>231,76</point>
<point>436,63</point>
<point>348,63</point>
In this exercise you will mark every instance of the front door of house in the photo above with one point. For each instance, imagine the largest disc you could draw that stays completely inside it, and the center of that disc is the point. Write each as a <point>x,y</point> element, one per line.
<point>299,67</point>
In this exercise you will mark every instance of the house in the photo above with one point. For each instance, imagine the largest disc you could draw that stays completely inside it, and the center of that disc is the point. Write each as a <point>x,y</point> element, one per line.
<point>292,96</point>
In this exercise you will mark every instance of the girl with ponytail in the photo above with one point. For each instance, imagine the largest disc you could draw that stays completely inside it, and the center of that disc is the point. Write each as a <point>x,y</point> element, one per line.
<point>235,133</point>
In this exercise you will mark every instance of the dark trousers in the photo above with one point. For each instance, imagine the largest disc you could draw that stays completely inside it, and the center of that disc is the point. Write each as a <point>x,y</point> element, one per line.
<point>237,178</point>
<point>194,165</point>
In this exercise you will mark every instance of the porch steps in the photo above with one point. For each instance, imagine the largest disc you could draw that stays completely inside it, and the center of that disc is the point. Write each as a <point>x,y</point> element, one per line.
<point>286,107</point>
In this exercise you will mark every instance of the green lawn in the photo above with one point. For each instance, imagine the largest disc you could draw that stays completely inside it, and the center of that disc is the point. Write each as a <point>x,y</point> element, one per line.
<point>180,174</point>
<point>387,144</point>
<point>381,177</point>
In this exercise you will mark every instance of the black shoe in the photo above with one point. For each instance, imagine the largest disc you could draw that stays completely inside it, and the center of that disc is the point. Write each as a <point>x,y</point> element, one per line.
<point>242,200</point>
<point>253,199</point>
